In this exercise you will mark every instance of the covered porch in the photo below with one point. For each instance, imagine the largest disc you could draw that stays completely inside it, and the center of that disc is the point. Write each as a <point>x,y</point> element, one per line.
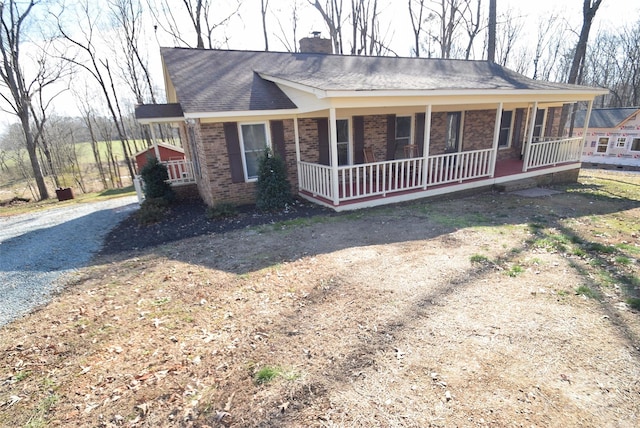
<point>428,172</point>
<point>388,182</point>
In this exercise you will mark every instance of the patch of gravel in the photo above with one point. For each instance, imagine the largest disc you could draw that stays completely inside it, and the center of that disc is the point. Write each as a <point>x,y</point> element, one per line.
<point>38,248</point>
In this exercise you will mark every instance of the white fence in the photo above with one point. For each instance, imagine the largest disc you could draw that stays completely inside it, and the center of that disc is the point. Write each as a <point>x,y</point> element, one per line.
<point>382,178</point>
<point>180,171</point>
<point>545,153</point>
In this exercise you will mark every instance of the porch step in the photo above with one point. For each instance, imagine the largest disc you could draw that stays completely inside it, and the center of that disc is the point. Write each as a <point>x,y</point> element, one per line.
<point>526,183</point>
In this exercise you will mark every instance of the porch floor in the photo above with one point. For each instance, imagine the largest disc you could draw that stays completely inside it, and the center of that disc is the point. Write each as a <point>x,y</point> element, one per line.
<point>511,168</point>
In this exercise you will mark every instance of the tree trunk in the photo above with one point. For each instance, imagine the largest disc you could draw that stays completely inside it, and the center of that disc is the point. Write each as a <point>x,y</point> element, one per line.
<point>33,157</point>
<point>491,48</point>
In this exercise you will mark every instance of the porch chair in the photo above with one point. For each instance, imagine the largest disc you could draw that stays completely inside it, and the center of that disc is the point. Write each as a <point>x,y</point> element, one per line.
<point>369,156</point>
<point>411,151</point>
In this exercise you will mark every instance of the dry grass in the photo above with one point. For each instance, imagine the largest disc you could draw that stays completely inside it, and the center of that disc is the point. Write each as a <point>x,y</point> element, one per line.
<point>403,316</point>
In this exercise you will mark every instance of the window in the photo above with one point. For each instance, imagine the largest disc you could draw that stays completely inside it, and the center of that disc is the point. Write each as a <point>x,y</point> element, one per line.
<point>505,129</point>
<point>603,142</point>
<point>342,126</point>
<point>253,140</point>
<point>452,138</point>
<point>403,135</point>
<point>539,123</point>
<point>622,142</point>
<point>635,145</point>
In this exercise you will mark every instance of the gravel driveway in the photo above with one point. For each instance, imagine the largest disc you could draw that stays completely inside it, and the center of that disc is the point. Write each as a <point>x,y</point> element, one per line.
<point>37,248</point>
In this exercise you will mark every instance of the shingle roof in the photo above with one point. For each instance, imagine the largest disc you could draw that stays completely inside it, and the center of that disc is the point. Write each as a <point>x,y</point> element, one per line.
<point>605,117</point>
<point>221,80</point>
<point>152,111</point>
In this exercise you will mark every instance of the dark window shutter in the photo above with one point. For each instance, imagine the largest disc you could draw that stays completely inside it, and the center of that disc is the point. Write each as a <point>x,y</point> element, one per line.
<point>516,142</point>
<point>277,138</point>
<point>358,139</point>
<point>233,149</point>
<point>323,140</point>
<point>420,118</point>
<point>391,136</point>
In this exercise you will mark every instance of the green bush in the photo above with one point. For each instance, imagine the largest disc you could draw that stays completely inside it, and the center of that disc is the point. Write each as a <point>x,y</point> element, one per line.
<point>152,210</point>
<point>222,210</point>
<point>273,191</point>
<point>155,176</point>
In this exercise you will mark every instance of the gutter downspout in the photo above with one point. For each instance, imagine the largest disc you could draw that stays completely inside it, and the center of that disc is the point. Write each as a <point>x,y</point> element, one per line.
<point>496,136</point>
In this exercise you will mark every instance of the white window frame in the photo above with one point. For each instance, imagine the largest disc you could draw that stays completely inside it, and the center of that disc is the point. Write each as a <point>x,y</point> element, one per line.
<point>242,148</point>
<point>349,140</point>
<point>635,141</point>
<point>542,126</point>
<point>620,140</point>
<point>601,144</point>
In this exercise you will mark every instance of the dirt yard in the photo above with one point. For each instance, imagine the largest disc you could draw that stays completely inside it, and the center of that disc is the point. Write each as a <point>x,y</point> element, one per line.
<point>487,310</point>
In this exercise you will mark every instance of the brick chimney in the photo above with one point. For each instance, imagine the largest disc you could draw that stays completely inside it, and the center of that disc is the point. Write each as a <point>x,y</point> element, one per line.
<point>316,44</point>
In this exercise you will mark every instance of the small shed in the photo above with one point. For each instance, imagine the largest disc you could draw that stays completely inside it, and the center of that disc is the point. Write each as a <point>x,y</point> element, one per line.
<point>167,153</point>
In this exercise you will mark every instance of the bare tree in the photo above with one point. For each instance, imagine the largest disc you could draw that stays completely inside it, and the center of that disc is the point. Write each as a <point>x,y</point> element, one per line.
<point>550,47</point>
<point>99,68</point>
<point>127,15</point>
<point>332,15</point>
<point>473,25</point>
<point>200,14</point>
<point>22,88</point>
<point>589,9</point>
<point>448,19</point>
<point>290,45</point>
<point>510,29</point>
<point>264,6</point>
<point>416,22</point>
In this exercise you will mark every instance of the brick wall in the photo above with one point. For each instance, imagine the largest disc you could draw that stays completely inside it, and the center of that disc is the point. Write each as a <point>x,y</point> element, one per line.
<point>308,129</point>
<point>438,133</point>
<point>478,129</point>
<point>375,135</point>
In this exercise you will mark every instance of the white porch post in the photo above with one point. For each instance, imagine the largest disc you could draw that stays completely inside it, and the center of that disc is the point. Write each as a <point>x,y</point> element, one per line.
<point>425,149</point>
<point>532,125</point>
<point>155,142</point>
<point>296,134</point>
<point>586,123</point>
<point>333,145</point>
<point>496,137</point>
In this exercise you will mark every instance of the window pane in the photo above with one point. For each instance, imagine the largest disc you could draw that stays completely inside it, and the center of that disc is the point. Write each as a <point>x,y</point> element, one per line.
<point>343,153</point>
<point>602,145</point>
<point>254,136</point>
<point>403,127</point>
<point>505,128</point>
<point>342,126</point>
<point>635,145</point>
<point>254,139</point>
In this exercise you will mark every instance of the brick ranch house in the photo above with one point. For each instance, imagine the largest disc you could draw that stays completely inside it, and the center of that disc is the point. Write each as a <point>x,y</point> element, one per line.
<point>360,131</point>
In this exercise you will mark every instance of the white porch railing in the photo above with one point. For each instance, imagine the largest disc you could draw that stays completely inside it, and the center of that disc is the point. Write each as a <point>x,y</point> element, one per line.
<point>180,171</point>
<point>315,179</point>
<point>545,153</point>
<point>449,168</point>
<point>382,178</point>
